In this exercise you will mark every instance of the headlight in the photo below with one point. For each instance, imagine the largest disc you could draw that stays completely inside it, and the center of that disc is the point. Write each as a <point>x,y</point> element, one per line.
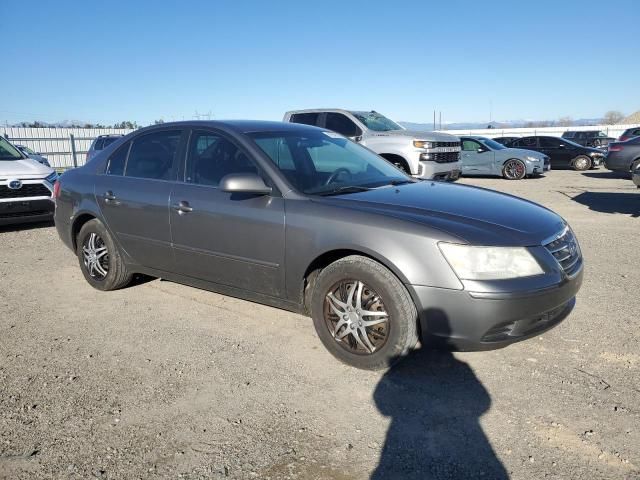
<point>52,178</point>
<point>490,263</point>
<point>422,144</point>
<point>597,154</point>
<point>533,159</point>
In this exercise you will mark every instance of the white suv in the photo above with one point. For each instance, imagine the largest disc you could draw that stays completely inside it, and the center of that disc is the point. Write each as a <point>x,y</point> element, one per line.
<point>428,155</point>
<point>26,187</point>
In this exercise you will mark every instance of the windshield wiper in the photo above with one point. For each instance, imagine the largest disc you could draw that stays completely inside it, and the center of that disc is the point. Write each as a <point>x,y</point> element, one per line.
<point>345,189</point>
<point>400,182</point>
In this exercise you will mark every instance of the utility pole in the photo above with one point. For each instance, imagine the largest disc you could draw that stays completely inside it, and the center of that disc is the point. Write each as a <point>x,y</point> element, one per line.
<point>434,119</point>
<point>440,120</point>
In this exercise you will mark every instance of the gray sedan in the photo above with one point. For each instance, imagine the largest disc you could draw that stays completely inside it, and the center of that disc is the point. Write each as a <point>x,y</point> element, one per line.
<point>301,218</point>
<point>483,156</point>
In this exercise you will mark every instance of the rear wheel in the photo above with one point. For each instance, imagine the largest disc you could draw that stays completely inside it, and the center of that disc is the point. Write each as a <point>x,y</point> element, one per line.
<point>581,163</point>
<point>514,169</point>
<point>100,260</point>
<point>363,314</point>
<point>635,166</point>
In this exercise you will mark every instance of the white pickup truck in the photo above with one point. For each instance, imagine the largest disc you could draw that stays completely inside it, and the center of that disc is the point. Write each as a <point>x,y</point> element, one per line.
<point>428,155</point>
<point>26,187</point>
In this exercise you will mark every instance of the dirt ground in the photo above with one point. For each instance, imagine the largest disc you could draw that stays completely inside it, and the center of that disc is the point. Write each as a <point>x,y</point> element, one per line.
<point>160,380</point>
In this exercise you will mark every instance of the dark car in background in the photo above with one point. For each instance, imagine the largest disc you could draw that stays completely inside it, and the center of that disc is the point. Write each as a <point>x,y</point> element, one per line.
<point>562,152</point>
<point>38,157</point>
<point>100,143</point>
<point>588,138</point>
<point>623,156</point>
<point>629,133</point>
<point>367,251</point>
<point>505,140</point>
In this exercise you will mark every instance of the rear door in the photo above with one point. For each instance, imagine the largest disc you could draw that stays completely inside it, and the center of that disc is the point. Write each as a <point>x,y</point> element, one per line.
<point>231,239</point>
<point>133,195</point>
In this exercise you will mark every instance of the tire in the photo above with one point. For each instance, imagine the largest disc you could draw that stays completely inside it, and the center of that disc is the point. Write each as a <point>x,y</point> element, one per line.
<point>635,165</point>
<point>380,292</point>
<point>514,169</point>
<point>581,163</point>
<point>109,271</point>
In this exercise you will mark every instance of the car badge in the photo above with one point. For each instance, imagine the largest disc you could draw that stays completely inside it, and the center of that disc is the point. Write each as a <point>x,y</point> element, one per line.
<point>15,184</point>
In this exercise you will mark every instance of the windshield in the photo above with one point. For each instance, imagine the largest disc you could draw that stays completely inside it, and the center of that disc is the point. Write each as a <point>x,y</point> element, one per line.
<point>375,121</point>
<point>8,151</point>
<point>492,144</point>
<point>324,163</point>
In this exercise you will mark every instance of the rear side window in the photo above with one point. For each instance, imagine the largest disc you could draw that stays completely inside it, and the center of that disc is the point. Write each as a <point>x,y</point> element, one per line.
<point>341,124</point>
<point>526,142</point>
<point>305,118</point>
<point>117,161</point>
<point>152,156</point>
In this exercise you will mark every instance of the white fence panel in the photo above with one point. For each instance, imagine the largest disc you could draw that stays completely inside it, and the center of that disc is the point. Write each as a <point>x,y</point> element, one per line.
<point>55,143</point>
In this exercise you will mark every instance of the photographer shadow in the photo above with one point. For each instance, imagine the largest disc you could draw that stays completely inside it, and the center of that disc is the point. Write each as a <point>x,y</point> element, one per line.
<point>435,402</point>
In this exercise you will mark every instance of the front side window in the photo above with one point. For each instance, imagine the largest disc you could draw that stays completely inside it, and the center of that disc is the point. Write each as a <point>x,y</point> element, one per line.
<point>8,151</point>
<point>305,118</point>
<point>492,144</point>
<point>325,163</point>
<point>546,142</point>
<point>470,145</point>
<point>526,142</point>
<point>152,155</point>
<point>377,122</point>
<point>212,156</point>
<point>337,122</point>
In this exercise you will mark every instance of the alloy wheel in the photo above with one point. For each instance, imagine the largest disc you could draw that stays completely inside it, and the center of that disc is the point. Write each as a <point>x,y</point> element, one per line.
<point>356,317</point>
<point>95,256</point>
<point>514,170</point>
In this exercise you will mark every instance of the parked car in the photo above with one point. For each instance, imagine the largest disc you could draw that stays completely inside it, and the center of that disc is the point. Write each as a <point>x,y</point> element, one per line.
<point>483,156</point>
<point>623,156</point>
<point>26,187</point>
<point>31,154</point>
<point>99,143</point>
<point>505,140</point>
<point>562,152</point>
<point>427,155</point>
<point>629,133</point>
<point>364,249</point>
<point>588,138</point>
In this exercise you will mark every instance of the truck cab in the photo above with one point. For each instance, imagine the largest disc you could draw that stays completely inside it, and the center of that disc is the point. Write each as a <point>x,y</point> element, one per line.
<point>427,155</point>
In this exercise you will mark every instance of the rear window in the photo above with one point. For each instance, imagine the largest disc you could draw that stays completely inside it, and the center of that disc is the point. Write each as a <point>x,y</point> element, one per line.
<point>305,118</point>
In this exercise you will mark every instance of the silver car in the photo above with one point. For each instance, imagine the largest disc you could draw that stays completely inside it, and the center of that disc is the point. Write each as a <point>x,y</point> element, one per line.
<point>301,218</point>
<point>483,156</point>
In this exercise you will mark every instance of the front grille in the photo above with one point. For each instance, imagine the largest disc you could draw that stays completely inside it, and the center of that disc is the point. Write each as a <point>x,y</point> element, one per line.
<point>566,251</point>
<point>27,190</point>
<point>447,157</point>
<point>445,144</point>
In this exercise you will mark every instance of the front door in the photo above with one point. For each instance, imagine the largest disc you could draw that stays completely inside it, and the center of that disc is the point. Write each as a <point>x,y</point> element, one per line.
<point>476,158</point>
<point>559,150</point>
<point>230,239</point>
<point>133,195</point>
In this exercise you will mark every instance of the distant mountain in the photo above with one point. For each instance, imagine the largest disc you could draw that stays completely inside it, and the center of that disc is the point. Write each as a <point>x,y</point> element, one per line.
<point>506,124</point>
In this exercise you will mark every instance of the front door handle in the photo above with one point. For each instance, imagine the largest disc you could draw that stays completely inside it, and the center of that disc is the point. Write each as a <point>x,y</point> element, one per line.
<point>110,198</point>
<point>183,207</point>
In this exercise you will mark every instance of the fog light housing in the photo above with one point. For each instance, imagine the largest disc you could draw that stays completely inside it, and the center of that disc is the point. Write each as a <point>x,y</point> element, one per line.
<point>426,157</point>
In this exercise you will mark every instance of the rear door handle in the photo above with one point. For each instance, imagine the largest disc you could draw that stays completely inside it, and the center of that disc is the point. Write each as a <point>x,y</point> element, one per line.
<point>110,198</point>
<point>183,207</point>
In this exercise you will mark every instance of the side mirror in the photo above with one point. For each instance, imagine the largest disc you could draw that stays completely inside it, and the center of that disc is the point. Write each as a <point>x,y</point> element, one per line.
<point>482,150</point>
<point>244,183</point>
<point>561,145</point>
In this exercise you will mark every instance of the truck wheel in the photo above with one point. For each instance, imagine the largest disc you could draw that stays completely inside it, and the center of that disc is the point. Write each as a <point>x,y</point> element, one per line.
<point>581,163</point>
<point>514,169</point>
<point>100,260</point>
<point>363,314</point>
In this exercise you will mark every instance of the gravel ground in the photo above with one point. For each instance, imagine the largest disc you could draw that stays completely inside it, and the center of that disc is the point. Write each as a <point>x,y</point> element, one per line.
<point>165,381</point>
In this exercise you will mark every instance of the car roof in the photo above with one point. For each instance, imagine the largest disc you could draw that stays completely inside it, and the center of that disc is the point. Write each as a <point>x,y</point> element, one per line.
<point>320,110</point>
<point>238,126</point>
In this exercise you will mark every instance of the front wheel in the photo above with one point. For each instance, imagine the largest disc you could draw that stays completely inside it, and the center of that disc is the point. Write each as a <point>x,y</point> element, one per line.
<point>100,260</point>
<point>363,314</point>
<point>514,169</point>
<point>582,163</point>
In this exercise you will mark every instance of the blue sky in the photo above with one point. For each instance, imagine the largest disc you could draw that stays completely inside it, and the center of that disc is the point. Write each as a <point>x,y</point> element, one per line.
<point>113,61</point>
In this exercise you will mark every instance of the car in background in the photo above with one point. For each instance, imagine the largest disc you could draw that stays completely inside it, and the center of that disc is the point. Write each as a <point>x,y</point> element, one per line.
<point>31,154</point>
<point>427,155</point>
<point>563,153</point>
<point>100,143</point>
<point>505,140</point>
<point>26,187</point>
<point>623,156</point>
<point>588,138</point>
<point>301,218</point>
<point>484,156</point>
<point>629,133</point>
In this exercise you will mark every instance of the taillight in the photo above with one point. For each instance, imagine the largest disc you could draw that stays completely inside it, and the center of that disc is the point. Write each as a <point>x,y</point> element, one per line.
<point>56,190</point>
<point>615,148</point>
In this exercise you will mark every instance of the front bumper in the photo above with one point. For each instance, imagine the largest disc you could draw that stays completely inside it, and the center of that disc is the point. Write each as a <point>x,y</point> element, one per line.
<point>439,171</point>
<point>468,321</point>
<point>25,211</point>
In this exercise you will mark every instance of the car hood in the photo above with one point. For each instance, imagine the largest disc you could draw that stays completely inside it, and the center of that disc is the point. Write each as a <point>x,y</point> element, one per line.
<point>472,214</point>
<point>24,168</point>
<point>420,135</point>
